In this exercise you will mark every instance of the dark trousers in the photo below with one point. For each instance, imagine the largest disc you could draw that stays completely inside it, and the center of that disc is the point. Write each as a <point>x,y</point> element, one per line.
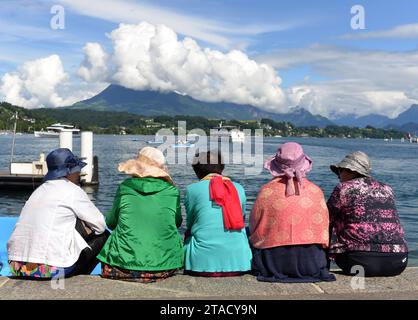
<point>375,264</point>
<point>87,260</point>
<point>291,264</point>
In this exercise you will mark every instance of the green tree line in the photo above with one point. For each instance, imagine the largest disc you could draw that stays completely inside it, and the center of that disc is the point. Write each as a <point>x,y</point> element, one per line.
<point>105,122</point>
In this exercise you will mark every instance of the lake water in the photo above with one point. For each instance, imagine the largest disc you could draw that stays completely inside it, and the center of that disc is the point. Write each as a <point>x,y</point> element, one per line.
<point>394,163</point>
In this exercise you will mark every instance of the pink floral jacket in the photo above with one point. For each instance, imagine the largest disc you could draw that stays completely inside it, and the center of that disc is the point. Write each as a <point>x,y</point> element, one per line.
<point>363,217</point>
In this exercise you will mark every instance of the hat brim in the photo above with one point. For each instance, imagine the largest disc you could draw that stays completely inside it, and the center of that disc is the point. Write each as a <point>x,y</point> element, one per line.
<point>335,168</point>
<point>60,173</point>
<point>276,171</point>
<point>141,169</point>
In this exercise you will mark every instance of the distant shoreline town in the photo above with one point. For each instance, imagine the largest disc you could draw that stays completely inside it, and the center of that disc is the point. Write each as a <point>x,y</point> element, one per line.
<point>111,122</point>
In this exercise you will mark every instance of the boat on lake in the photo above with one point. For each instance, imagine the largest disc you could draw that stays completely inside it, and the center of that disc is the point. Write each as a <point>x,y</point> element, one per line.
<point>151,142</point>
<point>237,135</point>
<point>183,144</point>
<point>412,137</point>
<point>55,130</point>
<point>29,175</point>
<point>234,133</point>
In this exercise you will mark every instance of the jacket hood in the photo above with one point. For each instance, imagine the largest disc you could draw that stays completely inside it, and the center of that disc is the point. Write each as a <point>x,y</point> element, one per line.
<point>147,185</point>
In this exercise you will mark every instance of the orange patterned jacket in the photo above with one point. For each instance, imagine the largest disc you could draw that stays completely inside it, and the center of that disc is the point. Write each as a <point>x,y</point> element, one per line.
<point>277,220</point>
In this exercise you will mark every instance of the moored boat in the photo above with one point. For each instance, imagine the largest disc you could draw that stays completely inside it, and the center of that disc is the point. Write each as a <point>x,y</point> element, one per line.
<point>55,130</point>
<point>183,144</point>
<point>232,132</point>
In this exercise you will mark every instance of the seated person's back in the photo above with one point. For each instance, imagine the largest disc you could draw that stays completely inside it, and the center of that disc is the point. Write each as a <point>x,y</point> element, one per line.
<point>59,227</point>
<point>216,243</point>
<point>145,245</point>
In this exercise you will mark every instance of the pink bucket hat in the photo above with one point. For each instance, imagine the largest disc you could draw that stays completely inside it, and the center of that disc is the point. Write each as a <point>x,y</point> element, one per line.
<point>149,163</point>
<point>290,162</point>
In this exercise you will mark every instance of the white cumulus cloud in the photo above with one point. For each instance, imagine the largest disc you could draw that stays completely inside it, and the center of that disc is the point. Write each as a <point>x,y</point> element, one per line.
<point>152,57</point>
<point>94,66</point>
<point>148,57</point>
<point>35,83</point>
<point>44,83</point>
<point>357,82</point>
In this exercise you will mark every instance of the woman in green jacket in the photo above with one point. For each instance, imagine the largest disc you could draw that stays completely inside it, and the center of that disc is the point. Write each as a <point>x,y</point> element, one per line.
<point>145,245</point>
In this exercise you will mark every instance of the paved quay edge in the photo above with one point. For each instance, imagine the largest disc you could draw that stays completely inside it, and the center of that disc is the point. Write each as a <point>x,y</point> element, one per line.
<point>181,287</point>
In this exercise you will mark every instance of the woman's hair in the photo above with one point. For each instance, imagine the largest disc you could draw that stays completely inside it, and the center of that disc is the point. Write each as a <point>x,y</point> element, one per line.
<point>208,162</point>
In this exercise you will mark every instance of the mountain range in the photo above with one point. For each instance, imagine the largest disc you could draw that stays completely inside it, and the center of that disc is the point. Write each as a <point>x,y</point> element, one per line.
<point>153,103</point>
<point>407,120</point>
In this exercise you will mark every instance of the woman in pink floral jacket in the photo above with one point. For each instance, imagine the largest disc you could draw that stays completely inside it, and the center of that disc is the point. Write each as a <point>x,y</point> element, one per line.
<point>289,222</point>
<point>366,233</point>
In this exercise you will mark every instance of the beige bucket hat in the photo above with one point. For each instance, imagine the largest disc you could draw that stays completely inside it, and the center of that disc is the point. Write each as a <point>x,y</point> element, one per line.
<point>149,163</point>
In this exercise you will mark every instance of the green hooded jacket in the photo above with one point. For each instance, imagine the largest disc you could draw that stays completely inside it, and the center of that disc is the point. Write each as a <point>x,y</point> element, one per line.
<point>144,218</point>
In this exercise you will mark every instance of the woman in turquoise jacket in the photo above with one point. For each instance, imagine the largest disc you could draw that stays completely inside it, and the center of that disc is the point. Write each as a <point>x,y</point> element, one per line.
<point>216,243</point>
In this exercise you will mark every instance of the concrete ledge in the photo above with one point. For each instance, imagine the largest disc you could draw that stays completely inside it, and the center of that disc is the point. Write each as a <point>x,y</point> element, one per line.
<point>180,286</point>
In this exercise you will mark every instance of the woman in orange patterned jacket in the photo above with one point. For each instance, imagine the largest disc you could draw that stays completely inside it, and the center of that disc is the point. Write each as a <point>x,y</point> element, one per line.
<point>289,222</point>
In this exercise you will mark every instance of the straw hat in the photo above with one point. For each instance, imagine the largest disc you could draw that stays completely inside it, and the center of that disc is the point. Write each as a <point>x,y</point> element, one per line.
<point>149,163</point>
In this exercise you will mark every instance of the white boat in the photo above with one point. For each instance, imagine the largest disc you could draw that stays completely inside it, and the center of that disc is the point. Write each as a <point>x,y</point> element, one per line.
<point>54,131</point>
<point>157,141</point>
<point>151,142</point>
<point>221,131</point>
<point>193,135</point>
<point>232,132</point>
<point>183,144</point>
<point>237,136</point>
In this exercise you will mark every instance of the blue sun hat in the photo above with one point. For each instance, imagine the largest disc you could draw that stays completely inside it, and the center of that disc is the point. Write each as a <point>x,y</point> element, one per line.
<point>61,163</point>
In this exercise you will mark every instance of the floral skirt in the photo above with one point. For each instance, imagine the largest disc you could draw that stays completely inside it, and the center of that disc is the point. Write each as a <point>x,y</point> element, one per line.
<point>116,273</point>
<point>33,270</point>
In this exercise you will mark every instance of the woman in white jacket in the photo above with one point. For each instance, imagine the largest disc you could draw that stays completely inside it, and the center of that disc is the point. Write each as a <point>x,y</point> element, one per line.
<point>59,231</point>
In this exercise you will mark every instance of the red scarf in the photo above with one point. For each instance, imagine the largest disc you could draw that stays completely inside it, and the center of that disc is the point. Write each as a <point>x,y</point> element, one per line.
<point>224,193</point>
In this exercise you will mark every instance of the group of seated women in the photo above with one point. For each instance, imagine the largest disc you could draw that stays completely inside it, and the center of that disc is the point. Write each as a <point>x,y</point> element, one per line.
<point>293,233</point>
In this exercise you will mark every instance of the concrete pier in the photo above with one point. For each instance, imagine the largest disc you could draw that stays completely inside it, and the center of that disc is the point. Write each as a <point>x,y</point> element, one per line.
<point>180,287</point>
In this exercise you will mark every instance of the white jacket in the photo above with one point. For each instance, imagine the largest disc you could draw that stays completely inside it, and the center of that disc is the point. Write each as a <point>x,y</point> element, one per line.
<point>45,232</point>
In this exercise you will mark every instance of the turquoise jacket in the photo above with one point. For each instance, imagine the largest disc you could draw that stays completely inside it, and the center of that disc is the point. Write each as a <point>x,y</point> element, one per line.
<point>210,248</point>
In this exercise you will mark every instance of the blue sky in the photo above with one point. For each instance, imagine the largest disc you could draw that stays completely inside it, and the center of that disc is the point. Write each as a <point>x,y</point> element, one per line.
<point>279,33</point>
